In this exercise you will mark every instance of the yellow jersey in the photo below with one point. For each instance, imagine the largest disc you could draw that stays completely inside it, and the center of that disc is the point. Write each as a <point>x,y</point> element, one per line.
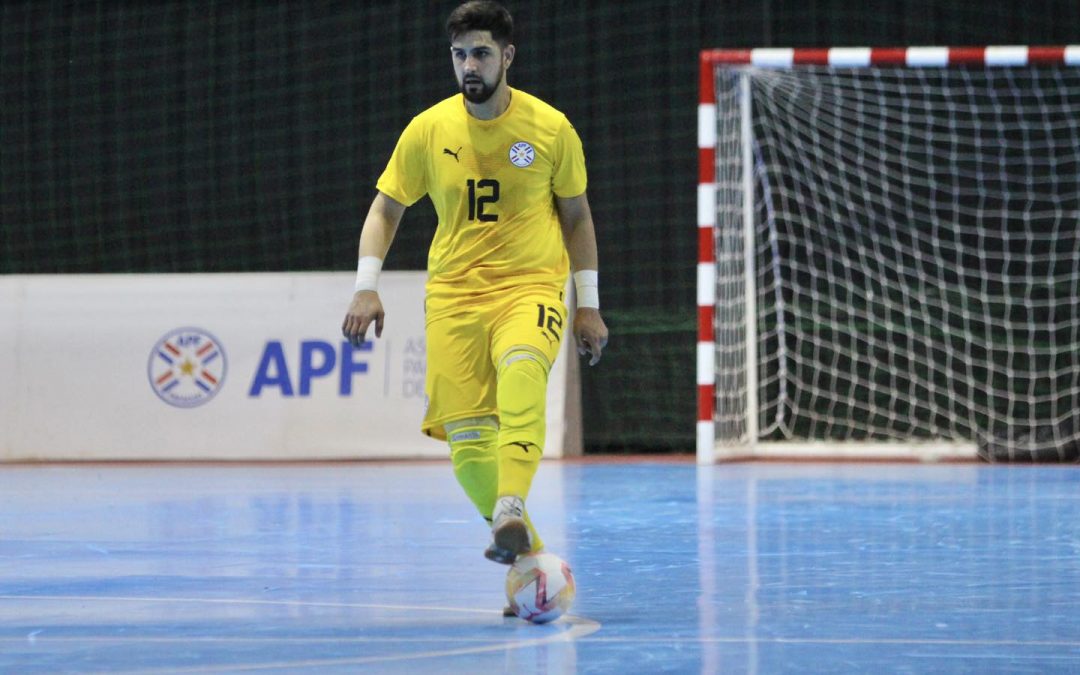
<point>493,184</point>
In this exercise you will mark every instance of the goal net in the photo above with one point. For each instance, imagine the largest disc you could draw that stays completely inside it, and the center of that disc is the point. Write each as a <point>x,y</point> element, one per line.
<point>890,253</point>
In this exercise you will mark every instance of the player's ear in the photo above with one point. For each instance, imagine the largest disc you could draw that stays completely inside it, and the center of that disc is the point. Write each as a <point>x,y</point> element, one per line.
<point>508,55</point>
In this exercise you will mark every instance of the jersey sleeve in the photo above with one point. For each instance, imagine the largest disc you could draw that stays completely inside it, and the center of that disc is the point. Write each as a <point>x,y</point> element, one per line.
<point>568,179</point>
<point>405,178</point>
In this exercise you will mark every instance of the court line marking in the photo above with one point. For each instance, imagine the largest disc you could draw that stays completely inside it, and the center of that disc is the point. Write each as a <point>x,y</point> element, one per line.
<point>845,641</point>
<point>251,601</point>
<point>513,645</point>
<point>567,619</point>
<point>579,627</point>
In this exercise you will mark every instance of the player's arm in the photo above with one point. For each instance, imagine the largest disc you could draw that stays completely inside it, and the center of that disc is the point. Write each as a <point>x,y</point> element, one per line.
<point>366,308</point>
<point>580,236</point>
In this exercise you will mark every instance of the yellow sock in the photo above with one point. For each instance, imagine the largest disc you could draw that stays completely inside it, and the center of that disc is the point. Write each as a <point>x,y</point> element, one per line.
<point>521,397</point>
<point>517,466</point>
<point>474,454</point>
<point>537,542</point>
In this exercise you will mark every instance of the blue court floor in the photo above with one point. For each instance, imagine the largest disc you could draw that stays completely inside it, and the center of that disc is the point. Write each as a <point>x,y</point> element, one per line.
<point>356,567</point>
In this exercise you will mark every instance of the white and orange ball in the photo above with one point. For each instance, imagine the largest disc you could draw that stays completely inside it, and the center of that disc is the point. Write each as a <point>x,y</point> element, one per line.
<point>540,587</point>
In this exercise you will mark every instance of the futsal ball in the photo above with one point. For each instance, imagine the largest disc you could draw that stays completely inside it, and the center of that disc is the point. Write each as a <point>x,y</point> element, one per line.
<point>540,587</point>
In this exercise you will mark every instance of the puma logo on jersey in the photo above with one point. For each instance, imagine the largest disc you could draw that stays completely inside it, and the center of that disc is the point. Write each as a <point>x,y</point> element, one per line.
<point>452,153</point>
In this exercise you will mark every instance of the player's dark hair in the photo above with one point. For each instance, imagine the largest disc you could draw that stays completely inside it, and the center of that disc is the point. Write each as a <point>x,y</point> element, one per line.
<point>482,15</point>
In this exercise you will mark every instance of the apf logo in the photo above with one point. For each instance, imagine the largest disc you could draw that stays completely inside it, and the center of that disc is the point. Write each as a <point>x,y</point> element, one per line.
<point>318,359</point>
<point>187,367</point>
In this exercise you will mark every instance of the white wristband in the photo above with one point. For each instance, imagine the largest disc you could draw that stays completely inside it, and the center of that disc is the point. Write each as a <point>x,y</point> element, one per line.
<point>587,284</point>
<point>367,273</point>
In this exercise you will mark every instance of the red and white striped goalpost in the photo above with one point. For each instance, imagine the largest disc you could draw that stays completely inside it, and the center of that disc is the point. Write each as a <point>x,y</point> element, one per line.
<point>841,57</point>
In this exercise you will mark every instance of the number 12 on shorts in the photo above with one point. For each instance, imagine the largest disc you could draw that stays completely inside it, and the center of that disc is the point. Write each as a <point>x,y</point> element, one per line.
<point>549,320</point>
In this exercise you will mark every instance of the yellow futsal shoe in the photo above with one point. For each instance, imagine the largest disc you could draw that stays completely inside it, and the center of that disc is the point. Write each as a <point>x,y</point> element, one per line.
<point>509,531</point>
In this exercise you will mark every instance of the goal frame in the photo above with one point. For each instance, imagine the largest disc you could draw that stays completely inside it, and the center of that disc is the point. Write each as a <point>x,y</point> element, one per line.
<point>707,449</point>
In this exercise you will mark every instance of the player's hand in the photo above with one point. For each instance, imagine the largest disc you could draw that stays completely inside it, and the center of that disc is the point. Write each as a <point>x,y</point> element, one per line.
<point>590,333</point>
<point>365,309</point>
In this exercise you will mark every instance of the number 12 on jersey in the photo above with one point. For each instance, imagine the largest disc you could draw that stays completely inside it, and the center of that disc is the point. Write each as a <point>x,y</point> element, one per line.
<point>481,193</point>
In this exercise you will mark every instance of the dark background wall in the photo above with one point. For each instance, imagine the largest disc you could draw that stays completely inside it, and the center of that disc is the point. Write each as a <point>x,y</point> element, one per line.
<point>247,136</point>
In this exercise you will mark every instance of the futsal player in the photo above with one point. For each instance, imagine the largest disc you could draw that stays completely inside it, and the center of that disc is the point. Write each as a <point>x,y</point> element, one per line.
<point>506,174</point>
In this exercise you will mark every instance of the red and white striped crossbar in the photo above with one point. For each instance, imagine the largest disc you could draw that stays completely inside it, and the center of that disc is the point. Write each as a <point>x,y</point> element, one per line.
<point>912,57</point>
<point>840,57</point>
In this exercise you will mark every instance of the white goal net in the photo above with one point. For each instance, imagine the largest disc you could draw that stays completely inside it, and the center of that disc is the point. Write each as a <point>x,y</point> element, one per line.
<point>897,257</point>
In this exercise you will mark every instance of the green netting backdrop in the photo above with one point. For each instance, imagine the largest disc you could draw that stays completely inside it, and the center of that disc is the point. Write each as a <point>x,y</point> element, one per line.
<point>247,136</point>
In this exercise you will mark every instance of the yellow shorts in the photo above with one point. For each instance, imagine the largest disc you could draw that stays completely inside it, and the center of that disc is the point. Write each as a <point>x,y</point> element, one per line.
<point>464,349</point>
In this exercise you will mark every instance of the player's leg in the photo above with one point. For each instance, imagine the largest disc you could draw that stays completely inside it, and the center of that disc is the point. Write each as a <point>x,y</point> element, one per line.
<point>460,385</point>
<point>474,455</point>
<point>526,341</point>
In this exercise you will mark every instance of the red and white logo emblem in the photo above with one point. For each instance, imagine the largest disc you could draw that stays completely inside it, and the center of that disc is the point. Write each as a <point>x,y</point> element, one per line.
<point>187,367</point>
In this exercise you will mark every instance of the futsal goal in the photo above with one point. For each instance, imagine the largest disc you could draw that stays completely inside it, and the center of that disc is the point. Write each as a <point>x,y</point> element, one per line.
<point>889,253</point>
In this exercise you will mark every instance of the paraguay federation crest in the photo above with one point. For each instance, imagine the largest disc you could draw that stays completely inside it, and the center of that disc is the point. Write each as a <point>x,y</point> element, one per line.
<point>522,154</point>
<point>187,367</point>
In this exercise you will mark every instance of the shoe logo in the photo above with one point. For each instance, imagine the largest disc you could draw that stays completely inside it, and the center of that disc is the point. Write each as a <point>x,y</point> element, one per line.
<point>507,506</point>
<point>452,153</point>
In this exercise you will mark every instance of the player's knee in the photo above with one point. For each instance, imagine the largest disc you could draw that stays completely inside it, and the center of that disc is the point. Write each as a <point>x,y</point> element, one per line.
<point>523,369</point>
<point>473,433</point>
<point>470,424</point>
<point>522,395</point>
<point>522,379</point>
<point>524,359</point>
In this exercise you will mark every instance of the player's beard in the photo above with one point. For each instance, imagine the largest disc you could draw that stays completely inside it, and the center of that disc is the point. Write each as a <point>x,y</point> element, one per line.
<point>485,91</point>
